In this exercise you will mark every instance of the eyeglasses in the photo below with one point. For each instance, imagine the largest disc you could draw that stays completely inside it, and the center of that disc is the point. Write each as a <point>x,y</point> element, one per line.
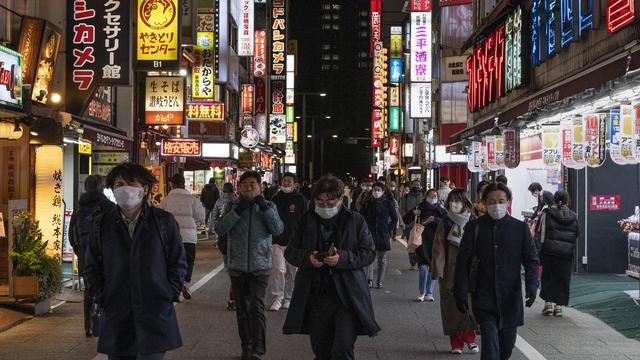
<point>326,203</point>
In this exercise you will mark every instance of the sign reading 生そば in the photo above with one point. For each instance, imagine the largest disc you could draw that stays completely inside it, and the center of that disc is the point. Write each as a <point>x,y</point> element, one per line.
<point>164,100</point>
<point>158,34</point>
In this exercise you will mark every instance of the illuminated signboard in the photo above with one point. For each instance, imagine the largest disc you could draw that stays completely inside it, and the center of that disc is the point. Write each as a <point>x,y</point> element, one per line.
<point>420,100</point>
<point>157,38</point>
<point>394,96</point>
<point>376,22</point>
<point>248,91</point>
<point>181,147</point>
<point>394,145</point>
<point>164,100</point>
<point>46,65</point>
<point>277,97</point>
<point>395,42</point>
<point>278,40</point>
<point>394,118</point>
<point>496,66</point>
<point>421,5</point>
<point>260,53</point>
<point>278,129</point>
<point>202,76</point>
<point>205,111</point>
<point>620,13</point>
<point>395,74</point>
<point>48,196</point>
<point>245,29</point>
<point>421,53</point>
<point>10,77</point>
<point>31,31</point>
<point>376,128</point>
<point>377,75</point>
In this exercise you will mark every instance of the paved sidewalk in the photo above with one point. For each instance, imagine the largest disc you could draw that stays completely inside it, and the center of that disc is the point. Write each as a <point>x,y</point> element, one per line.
<point>410,330</point>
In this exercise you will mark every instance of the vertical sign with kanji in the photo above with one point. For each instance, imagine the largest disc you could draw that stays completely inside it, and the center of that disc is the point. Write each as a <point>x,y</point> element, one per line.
<point>278,59</point>
<point>245,29</point>
<point>11,175</point>
<point>98,51</point>
<point>158,35</point>
<point>202,76</point>
<point>421,55</point>
<point>48,197</point>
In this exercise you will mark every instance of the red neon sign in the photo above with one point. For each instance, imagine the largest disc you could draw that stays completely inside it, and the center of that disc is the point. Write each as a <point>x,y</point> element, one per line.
<point>485,70</point>
<point>421,5</point>
<point>620,13</point>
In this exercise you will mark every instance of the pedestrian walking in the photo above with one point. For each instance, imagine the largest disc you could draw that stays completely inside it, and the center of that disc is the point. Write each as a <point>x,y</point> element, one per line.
<point>478,208</point>
<point>395,191</point>
<point>408,204</point>
<point>559,230</point>
<point>429,213</point>
<point>222,207</point>
<point>131,246</point>
<point>361,194</point>
<point>331,300</point>
<point>249,227</point>
<point>90,204</point>
<point>188,211</point>
<point>380,214</point>
<point>493,249</point>
<point>209,196</point>
<point>446,244</point>
<point>444,189</point>
<point>291,207</point>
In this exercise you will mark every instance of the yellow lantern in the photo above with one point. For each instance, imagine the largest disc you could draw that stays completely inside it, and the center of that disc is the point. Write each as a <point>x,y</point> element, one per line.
<point>7,131</point>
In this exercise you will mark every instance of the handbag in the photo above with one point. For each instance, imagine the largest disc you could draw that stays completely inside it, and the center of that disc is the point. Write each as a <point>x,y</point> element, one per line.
<point>415,236</point>
<point>475,263</point>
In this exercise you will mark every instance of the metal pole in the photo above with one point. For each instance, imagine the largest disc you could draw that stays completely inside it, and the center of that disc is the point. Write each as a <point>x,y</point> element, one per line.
<point>313,148</point>
<point>321,155</point>
<point>304,136</point>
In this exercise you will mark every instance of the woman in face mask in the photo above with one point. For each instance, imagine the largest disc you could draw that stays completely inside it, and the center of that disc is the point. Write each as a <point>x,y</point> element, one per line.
<point>380,213</point>
<point>493,249</point>
<point>459,327</point>
<point>429,213</point>
<point>331,300</point>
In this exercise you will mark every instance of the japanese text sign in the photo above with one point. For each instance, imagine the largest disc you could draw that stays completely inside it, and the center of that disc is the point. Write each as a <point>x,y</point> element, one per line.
<point>164,100</point>
<point>248,91</point>
<point>202,77</point>
<point>421,51</point>
<point>420,5</point>
<point>205,111</point>
<point>10,77</point>
<point>158,34</point>
<point>260,53</point>
<point>420,100</point>
<point>278,39</point>
<point>604,202</point>
<point>181,147</point>
<point>245,29</point>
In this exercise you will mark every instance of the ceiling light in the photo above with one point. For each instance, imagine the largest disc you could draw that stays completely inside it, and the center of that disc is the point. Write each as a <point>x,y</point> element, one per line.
<point>309,136</point>
<point>55,98</point>
<point>33,133</point>
<point>323,94</point>
<point>334,136</point>
<point>327,117</point>
<point>183,72</point>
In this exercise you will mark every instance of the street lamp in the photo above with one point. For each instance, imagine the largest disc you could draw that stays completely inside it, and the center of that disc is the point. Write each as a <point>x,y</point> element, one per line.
<point>304,127</point>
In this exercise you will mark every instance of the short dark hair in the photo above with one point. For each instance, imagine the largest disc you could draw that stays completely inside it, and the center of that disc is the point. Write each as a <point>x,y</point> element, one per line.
<point>535,187</point>
<point>177,180</point>
<point>131,172</point>
<point>380,184</point>
<point>430,190</point>
<point>480,185</point>
<point>328,184</point>
<point>212,181</point>
<point>496,186</point>
<point>227,187</point>
<point>382,179</point>
<point>562,197</point>
<point>252,174</point>
<point>93,182</point>
<point>444,178</point>
<point>502,179</point>
<point>291,175</point>
<point>460,193</point>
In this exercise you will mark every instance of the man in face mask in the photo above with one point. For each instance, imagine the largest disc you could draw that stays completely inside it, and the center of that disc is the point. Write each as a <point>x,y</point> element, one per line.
<point>492,251</point>
<point>361,194</point>
<point>130,246</point>
<point>291,206</point>
<point>331,301</point>
<point>249,226</point>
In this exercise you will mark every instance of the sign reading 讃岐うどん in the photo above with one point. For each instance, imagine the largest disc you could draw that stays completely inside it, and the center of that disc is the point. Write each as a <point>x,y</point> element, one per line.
<point>164,100</point>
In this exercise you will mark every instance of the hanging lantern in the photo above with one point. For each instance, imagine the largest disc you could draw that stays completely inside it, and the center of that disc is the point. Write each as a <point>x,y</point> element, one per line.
<point>10,131</point>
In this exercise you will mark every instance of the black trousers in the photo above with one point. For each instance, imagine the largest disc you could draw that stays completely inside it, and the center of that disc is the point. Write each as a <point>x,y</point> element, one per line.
<point>497,344</point>
<point>332,328</point>
<point>88,303</point>
<point>154,356</point>
<point>190,251</point>
<point>248,292</point>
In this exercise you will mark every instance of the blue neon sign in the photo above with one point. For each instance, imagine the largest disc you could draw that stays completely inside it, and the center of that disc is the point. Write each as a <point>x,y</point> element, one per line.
<point>566,22</point>
<point>585,19</point>
<point>395,74</point>
<point>549,10</point>
<point>536,20</point>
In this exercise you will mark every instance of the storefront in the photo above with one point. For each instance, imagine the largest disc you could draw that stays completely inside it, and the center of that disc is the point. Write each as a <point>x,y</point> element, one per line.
<point>575,127</point>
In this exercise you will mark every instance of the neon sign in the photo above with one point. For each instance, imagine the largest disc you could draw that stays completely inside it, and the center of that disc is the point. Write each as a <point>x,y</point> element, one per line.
<point>620,13</point>
<point>513,57</point>
<point>585,19</point>
<point>549,10</point>
<point>566,22</point>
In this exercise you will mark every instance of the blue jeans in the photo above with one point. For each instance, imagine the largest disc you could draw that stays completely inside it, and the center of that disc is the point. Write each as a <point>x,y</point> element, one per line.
<point>425,283</point>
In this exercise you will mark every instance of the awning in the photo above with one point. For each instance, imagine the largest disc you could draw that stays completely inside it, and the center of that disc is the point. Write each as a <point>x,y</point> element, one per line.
<point>105,137</point>
<point>609,69</point>
<point>196,163</point>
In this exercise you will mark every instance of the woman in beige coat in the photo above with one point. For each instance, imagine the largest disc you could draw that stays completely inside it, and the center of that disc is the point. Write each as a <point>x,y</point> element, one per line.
<point>460,327</point>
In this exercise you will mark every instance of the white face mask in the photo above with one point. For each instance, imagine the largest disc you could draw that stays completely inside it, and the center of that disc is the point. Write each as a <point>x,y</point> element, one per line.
<point>456,207</point>
<point>497,211</point>
<point>377,194</point>
<point>286,189</point>
<point>327,213</point>
<point>393,188</point>
<point>432,201</point>
<point>128,197</point>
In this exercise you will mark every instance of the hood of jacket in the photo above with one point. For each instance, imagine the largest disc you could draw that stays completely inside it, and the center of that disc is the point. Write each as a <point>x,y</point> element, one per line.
<point>562,216</point>
<point>90,198</point>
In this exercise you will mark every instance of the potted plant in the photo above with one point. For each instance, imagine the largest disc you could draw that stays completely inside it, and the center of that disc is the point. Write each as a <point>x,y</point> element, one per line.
<point>36,275</point>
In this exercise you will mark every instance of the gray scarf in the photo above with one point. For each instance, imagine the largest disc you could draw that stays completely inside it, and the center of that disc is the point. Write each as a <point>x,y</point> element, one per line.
<point>457,230</point>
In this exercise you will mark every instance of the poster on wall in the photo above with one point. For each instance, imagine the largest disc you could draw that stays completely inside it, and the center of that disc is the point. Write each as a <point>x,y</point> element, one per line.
<point>511,148</point>
<point>157,191</point>
<point>484,156</point>
<point>595,139</point>
<point>604,202</point>
<point>500,152</point>
<point>567,139</point>
<point>551,142</point>
<point>614,137</point>
<point>491,153</point>
<point>278,129</point>
<point>577,142</point>
<point>627,130</point>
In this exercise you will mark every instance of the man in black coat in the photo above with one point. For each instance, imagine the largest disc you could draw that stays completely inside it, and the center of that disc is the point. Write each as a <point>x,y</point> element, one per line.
<point>331,300</point>
<point>291,207</point>
<point>136,265</point>
<point>91,202</point>
<point>492,251</point>
<point>209,196</point>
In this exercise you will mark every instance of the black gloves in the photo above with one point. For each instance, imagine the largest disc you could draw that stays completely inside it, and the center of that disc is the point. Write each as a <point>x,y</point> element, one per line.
<point>531,297</point>
<point>462,305</point>
<point>260,201</point>
<point>242,205</point>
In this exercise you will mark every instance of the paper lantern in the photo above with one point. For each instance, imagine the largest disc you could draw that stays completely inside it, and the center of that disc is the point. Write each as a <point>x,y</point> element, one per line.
<point>7,131</point>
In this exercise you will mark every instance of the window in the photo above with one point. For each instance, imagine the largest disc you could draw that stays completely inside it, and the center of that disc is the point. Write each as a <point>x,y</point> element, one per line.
<point>326,17</point>
<point>335,27</point>
<point>336,7</point>
<point>364,24</point>
<point>336,67</point>
<point>363,54</point>
<point>326,27</point>
<point>326,67</point>
<point>364,14</point>
<point>364,34</point>
<point>335,57</point>
<point>326,7</point>
<point>326,57</point>
<point>336,17</point>
<point>326,46</point>
<point>363,65</point>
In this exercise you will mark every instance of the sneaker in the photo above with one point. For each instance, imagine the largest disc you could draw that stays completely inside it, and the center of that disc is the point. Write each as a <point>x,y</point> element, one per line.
<point>275,305</point>
<point>379,285</point>
<point>557,311</point>
<point>370,284</point>
<point>421,297</point>
<point>285,305</point>
<point>429,298</point>
<point>456,351</point>
<point>474,348</point>
<point>231,305</point>
<point>548,309</point>
<point>186,292</point>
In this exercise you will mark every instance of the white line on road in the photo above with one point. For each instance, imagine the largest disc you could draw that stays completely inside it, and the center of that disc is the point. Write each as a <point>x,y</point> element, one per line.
<point>529,351</point>
<point>193,288</point>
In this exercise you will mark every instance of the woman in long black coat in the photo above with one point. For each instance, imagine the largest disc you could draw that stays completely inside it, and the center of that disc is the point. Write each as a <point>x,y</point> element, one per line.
<point>380,213</point>
<point>559,230</point>
<point>331,300</point>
